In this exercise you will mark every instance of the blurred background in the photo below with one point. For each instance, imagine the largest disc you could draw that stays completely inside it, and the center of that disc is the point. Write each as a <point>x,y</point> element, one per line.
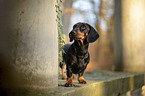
<point>99,14</point>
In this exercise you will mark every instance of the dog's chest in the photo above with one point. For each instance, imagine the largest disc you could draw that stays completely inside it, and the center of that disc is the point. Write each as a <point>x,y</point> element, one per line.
<point>79,63</point>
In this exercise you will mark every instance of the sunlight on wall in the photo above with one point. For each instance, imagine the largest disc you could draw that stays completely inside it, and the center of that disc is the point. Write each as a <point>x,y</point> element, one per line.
<point>133,13</point>
<point>137,15</point>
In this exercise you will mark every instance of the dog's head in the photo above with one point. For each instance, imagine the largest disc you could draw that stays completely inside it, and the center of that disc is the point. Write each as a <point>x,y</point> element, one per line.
<point>82,31</point>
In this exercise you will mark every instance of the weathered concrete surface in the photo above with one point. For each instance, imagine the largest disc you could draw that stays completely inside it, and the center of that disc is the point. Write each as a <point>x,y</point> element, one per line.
<point>105,84</point>
<point>28,44</point>
<point>98,84</point>
<point>129,35</point>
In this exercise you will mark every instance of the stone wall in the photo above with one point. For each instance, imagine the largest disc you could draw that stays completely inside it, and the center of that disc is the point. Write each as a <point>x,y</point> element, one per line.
<point>129,35</point>
<point>28,44</point>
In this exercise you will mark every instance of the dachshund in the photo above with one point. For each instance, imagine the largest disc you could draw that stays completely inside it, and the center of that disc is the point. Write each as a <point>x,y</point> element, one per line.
<point>76,55</point>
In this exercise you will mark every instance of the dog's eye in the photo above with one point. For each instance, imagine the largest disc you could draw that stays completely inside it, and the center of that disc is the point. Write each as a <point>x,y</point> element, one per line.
<point>82,28</point>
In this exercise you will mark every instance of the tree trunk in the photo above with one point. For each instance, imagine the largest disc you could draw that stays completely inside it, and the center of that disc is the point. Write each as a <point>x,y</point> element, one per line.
<point>66,16</point>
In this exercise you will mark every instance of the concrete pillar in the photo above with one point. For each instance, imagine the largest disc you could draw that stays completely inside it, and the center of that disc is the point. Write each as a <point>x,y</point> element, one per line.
<point>28,44</point>
<point>130,35</point>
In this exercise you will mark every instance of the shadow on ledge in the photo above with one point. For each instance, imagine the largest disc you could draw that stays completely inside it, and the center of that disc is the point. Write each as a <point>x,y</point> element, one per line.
<point>98,84</point>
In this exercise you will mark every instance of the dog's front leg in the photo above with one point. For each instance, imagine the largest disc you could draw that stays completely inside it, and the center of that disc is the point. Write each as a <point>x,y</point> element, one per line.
<point>81,79</point>
<point>69,78</point>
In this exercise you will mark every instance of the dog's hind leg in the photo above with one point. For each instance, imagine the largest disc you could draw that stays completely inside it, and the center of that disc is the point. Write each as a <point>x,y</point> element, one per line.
<point>73,76</point>
<point>63,70</point>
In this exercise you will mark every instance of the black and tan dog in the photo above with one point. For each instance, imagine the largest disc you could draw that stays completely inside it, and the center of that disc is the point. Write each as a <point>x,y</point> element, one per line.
<point>76,55</point>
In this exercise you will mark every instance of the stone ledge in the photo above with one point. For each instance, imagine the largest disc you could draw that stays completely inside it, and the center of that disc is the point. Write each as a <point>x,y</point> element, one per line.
<point>102,84</point>
<point>98,84</point>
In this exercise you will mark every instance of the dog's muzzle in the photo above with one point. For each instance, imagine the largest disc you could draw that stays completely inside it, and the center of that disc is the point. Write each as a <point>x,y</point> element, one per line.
<point>76,36</point>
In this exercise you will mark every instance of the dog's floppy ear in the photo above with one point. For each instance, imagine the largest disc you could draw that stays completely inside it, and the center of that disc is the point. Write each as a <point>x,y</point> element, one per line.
<point>93,35</point>
<point>70,38</point>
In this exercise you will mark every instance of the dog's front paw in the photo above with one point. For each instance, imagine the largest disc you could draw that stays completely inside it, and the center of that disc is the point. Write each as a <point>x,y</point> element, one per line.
<point>68,82</point>
<point>82,80</point>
